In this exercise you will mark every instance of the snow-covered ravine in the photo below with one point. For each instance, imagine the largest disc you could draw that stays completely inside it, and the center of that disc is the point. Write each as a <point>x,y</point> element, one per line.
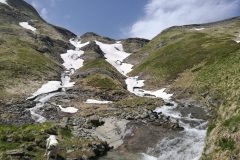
<point>72,62</point>
<point>187,144</point>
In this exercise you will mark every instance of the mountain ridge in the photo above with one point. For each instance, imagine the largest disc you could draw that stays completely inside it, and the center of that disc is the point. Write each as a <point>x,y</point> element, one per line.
<point>198,63</point>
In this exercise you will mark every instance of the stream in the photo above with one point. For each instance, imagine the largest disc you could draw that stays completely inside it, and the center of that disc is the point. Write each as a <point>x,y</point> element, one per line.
<point>185,145</point>
<point>72,62</point>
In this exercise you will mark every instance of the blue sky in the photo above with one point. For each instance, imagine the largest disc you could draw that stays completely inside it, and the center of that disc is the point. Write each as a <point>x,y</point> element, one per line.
<point>105,17</point>
<point>132,18</point>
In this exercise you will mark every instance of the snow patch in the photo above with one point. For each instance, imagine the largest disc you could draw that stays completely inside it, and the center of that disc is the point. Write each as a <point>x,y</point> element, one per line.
<point>238,41</point>
<point>77,43</point>
<point>72,60</point>
<point>148,157</point>
<point>68,109</point>
<point>134,86</point>
<point>49,87</point>
<point>4,2</point>
<point>199,29</point>
<point>115,55</point>
<point>26,25</point>
<point>93,101</point>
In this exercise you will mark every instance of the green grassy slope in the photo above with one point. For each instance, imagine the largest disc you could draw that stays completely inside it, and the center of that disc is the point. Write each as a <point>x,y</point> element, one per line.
<point>203,65</point>
<point>27,58</point>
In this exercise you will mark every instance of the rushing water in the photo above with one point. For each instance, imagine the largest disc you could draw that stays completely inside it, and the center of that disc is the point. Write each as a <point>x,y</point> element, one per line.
<point>186,145</point>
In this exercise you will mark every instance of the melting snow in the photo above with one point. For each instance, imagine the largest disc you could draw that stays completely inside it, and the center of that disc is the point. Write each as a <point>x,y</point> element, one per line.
<point>41,100</point>
<point>93,101</point>
<point>72,62</point>
<point>49,87</point>
<point>78,44</point>
<point>199,29</point>
<point>27,26</point>
<point>115,55</point>
<point>134,86</point>
<point>238,41</point>
<point>148,157</point>
<point>68,109</point>
<point>4,2</point>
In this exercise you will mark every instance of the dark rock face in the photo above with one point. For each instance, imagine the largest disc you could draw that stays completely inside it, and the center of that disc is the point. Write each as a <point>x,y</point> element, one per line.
<point>90,36</point>
<point>15,113</point>
<point>20,11</point>
<point>133,45</point>
<point>143,136</point>
<point>92,51</point>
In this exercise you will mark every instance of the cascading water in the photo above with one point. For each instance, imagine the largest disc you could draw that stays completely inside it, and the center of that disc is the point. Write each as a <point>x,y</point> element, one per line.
<point>185,145</point>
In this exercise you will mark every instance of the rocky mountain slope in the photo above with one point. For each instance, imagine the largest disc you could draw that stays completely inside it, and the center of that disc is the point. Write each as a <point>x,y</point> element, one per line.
<point>200,62</point>
<point>103,105</point>
<point>33,55</point>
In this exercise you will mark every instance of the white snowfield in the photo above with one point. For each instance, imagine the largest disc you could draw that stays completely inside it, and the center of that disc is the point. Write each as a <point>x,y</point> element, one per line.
<point>115,55</point>
<point>49,87</point>
<point>199,29</point>
<point>238,41</point>
<point>72,62</point>
<point>4,2</point>
<point>68,109</point>
<point>72,59</point>
<point>134,86</point>
<point>26,25</point>
<point>78,44</point>
<point>93,101</point>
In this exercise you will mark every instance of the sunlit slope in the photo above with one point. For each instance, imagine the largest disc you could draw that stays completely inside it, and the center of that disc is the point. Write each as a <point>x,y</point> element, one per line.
<point>201,62</point>
<point>26,57</point>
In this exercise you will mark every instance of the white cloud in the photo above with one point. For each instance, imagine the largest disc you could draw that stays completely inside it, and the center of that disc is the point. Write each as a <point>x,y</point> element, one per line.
<point>161,14</point>
<point>44,13</point>
<point>35,4</point>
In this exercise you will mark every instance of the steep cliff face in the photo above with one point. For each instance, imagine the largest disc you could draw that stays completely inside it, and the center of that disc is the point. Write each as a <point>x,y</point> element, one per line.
<point>200,62</point>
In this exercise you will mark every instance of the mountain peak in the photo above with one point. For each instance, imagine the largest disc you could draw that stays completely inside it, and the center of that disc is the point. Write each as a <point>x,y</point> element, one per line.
<point>91,36</point>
